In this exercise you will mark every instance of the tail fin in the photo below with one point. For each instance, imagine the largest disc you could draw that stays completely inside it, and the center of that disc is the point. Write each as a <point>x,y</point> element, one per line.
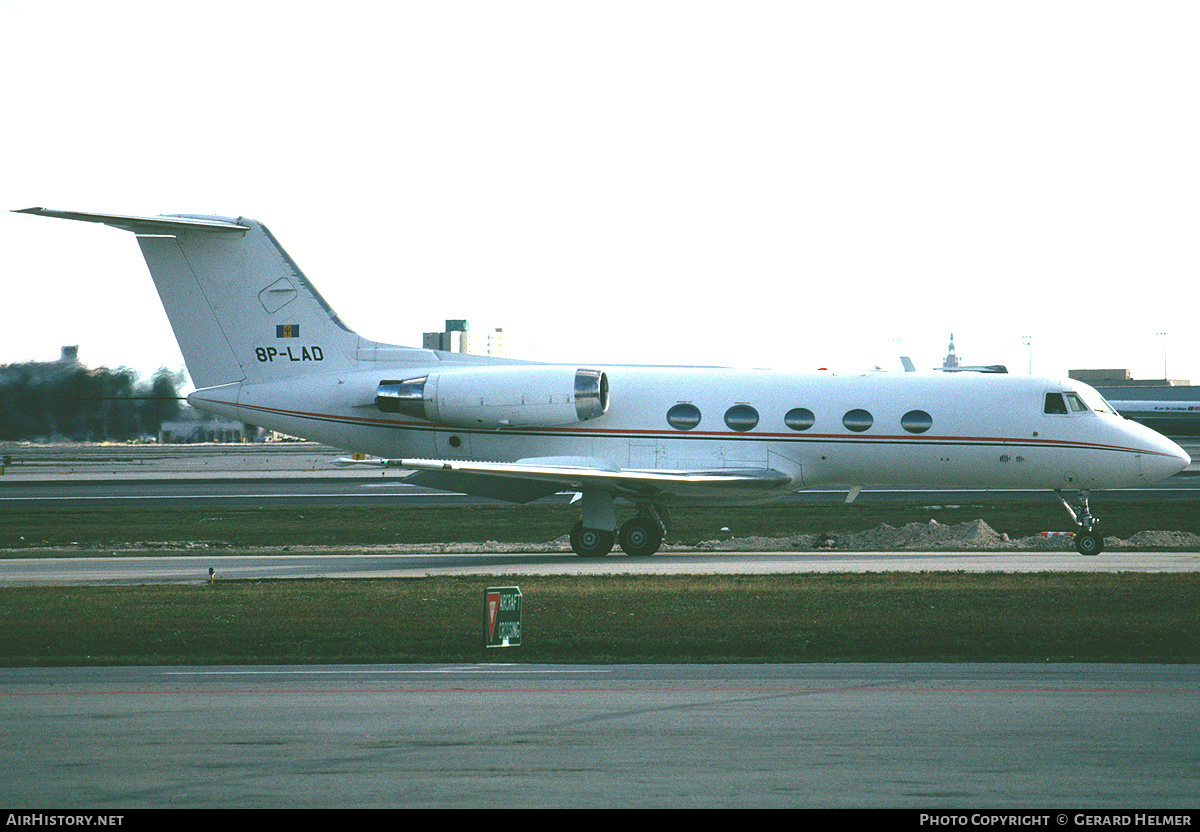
<point>240,307</point>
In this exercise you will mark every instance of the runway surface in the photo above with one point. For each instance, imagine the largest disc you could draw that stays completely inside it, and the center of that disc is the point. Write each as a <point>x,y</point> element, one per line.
<point>1054,737</point>
<point>188,569</point>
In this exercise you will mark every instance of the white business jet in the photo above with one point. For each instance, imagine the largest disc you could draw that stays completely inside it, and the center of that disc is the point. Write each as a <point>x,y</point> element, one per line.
<point>262,346</point>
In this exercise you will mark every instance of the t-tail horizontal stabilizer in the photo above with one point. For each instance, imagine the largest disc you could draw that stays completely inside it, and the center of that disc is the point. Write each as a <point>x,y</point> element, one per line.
<point>240,307</point>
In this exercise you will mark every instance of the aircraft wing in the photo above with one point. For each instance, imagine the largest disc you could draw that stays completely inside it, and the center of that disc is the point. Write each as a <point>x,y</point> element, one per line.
<point>531,479</point>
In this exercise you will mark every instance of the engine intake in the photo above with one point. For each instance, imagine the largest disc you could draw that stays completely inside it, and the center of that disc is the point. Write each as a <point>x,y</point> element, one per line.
<point>497,397</point>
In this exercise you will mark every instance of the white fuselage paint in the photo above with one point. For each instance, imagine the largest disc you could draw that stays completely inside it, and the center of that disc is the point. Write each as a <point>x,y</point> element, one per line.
<point>985,431</point>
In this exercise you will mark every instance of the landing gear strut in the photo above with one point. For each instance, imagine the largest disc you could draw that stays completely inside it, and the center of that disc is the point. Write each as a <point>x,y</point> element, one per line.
<point>1087,540</point>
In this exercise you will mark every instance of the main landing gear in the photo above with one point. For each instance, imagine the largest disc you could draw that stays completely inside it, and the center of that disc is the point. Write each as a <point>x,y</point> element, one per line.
<point>639,536</point>
<point>1087,540</point>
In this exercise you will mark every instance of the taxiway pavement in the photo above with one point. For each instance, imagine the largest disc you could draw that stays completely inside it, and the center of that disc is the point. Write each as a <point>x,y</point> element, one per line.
<point>928,736</point>
<point>194,569</point>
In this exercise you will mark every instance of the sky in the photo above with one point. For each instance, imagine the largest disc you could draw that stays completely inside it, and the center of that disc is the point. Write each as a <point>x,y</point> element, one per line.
<point>773,184</point>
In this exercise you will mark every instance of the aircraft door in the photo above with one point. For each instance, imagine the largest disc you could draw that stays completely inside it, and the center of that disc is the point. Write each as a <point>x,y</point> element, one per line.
<point>647,454</point>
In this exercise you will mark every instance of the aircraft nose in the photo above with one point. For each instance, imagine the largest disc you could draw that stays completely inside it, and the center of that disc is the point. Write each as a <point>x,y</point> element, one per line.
<point>1165,459</point>
<point>1185,459</point>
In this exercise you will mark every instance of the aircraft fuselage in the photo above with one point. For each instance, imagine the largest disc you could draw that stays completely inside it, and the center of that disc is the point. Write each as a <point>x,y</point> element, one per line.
<point>875,429</point>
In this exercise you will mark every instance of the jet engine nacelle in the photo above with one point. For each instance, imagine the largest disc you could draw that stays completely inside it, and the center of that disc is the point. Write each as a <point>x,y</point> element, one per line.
<point>499,397</point>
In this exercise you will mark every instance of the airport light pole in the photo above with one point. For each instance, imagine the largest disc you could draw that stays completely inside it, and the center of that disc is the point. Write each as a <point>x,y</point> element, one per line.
<point>1164,337</point>
<point>1027,341</point>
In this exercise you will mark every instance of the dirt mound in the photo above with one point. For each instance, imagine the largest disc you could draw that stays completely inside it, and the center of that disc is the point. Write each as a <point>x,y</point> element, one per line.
<point>972,536</point>
<point>931,536</point>
<point>1164,540</point>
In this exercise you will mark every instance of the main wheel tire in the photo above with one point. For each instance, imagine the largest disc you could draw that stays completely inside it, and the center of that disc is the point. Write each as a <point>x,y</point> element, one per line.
<point>1089,543</point>
<point>591,543</point>
<point>640,537</point>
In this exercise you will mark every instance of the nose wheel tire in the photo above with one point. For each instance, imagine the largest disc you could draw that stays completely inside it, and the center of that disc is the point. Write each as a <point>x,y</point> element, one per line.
<point>1087,540</point>
<point>1088,543</point>
<point>591,543</point>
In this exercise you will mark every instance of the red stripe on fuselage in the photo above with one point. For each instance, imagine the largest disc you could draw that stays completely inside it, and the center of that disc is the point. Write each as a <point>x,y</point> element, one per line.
<point>582,432</point>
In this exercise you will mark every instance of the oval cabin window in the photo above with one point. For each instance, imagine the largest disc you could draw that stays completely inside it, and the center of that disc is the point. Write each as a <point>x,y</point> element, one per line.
<point>799,418</point>
<point>858,420</point>
<point>916,421</point>
<point>683,416</point>
<point>741,417</point>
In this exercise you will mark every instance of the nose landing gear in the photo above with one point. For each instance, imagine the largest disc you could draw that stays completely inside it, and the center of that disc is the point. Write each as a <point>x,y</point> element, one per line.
<point>1087,540</point>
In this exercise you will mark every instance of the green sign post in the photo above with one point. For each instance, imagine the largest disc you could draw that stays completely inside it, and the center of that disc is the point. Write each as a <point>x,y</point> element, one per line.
<point>502,617</point>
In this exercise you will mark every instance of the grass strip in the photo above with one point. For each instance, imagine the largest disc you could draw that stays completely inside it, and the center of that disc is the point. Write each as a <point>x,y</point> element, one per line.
<point>57,525</point>
<point>1055,617</point>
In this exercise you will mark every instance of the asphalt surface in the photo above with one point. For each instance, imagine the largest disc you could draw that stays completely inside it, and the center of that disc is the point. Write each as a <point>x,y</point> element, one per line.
<point>194,568</point>
<point>1061,738</point>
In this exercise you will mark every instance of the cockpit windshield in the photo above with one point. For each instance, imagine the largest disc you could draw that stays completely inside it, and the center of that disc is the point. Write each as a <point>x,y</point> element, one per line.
<point>1074,402</point>
<point>1095,401</point>
<point>1077,401</point>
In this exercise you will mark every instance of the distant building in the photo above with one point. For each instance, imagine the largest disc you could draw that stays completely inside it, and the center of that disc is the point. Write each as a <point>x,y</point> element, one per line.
<point>457,337</point>
<point>1123,378</point>
<point>70,355</point>
<point>1169,405</point>
<point>950,362</point>
<point>190,432</point>
<point>497,343</point>
<point>953,364</point>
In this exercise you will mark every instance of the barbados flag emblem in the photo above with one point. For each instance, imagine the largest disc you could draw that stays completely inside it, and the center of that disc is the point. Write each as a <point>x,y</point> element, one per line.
<point>287,330</point>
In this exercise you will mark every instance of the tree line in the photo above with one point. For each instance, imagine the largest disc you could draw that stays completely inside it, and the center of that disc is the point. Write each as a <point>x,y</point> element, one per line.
<point>65,400</point>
